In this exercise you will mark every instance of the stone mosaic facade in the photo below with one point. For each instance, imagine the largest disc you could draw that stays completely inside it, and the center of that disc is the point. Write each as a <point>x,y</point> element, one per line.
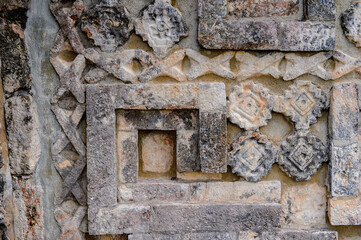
<point>168,119</point>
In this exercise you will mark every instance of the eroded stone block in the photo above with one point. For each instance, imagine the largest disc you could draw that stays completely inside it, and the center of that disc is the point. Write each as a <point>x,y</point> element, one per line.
<point>185,236</point>
<point>350,21</point>
<point>343,128</point>
<point>127,156</point>
<point>320,10</point>
<point>345,212</point>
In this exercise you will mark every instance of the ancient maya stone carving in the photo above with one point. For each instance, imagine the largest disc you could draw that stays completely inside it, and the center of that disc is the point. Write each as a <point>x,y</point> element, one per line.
<point>351,23</point>
<point>108,24</point>
<point>225,25</point>
<point>161,25</point>
<point>251,156</point>
<point>303,103</point>
<point>345,64</point>
<point>301,155</point>
<point>250,106</point>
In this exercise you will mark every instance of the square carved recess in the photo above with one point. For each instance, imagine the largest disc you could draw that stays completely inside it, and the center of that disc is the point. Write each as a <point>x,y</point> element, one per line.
<point>115,113</point>
<point>286,25</point>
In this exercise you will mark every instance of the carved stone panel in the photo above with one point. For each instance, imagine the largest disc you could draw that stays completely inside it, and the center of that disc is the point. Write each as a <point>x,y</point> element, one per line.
<point>228,25</point>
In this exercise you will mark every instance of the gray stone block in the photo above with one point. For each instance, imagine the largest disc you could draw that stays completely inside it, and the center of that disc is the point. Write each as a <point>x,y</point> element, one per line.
<point>317,10</point>
<point>215,217</point>
<point>186,236</point>
<point>127,156</point>
<point>343,128</point>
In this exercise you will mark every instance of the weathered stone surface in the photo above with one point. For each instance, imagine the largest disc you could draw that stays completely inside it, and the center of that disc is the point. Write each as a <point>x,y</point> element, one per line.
<point>316,65</point>
<point>317,10</point>
<point>266,35</point>
<point>304,206</point>
<point>119,64</point>
<point>343,128</point>
<point>351,23</point>
<point>263,8</point>
<point>171,66</point>
<point>121,219</point>
<point>324,235</point>
<point>302,102</point>
<point>202,65</point>
<point>251,156</point>
<point>161,25</point>
<point>95,75</point>
<point>254,66</point>
<point>301,155</point>
<point>186,236</point>
<point>213,142</point>
<point>214,217</point>
<point>22,132</point>
<point>15,72</point>
<point>127,156</point>
<point>69,217</point>
<point>108,24</point>
<point>14,4</point>
<point>158,152</point>
<point>345,64</point>
<point>345,212</point>
<point>250,105</point>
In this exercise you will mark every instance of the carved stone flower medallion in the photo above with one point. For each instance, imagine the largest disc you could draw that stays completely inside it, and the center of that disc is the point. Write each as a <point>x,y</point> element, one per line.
<point>161,25</point>
<point>251,156</point>
<point>301,155</point>
<point>107,24</point>
<point>250,106</point>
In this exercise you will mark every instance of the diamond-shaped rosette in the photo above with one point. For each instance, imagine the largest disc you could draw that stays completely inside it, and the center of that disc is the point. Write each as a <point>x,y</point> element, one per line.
<point>251,156</point>
<point>303,103</point>
<point>301,155</point>
<point>250,105</point>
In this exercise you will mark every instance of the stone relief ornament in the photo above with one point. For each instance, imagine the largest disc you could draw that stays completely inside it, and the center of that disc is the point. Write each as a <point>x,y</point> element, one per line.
<point>161,25</point>
<point>107,24</point>
<point>250,105</point>
<point>351,23</point>
<point>301,154</point>
<point>251,156</point>
<point>303,103</point>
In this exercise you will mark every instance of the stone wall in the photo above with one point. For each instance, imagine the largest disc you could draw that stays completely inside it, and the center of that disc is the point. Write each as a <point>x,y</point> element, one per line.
<point>170,119</point>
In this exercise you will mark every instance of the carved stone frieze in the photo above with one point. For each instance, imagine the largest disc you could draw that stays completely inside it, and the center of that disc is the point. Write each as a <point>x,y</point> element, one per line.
<point>301,155</point>
<point>302,102</point>
<point>250,105</point>
<point>345,64</point>
<point>251,156</point>
<point>108,24</point>
<point>161,25</point>
<point>254,66</point>
<point>351,23</point>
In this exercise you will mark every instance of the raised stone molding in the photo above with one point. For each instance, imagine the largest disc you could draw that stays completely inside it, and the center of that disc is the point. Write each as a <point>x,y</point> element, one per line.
<point>251,156</point>
<point>345,64</point>
<point>220,29</point>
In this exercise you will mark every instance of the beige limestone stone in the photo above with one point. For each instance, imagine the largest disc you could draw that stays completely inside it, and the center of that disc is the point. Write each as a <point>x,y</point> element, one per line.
<point>157,152</point>
<point>304,206</point>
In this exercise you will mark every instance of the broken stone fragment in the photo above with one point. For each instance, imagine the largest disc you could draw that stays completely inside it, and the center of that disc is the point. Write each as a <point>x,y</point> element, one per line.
<point>161,25</point>
<point>107,24</point>
<point>22,133</point>
<point>351,23</point>
<point>251,156</point>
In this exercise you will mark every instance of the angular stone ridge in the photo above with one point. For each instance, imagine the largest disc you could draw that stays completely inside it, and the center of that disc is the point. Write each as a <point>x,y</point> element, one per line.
<point>250,105</point>
<point>161,25</point>
<point>251,156</point>
<point>303,102</point>
<point>301,155</point>
<point>344,133</point>
<point>108,24</point>
<point>351,23</point>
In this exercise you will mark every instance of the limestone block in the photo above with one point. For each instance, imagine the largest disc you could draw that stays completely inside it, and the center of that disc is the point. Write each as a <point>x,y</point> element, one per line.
<point>161,25</point>
<point>121,219</point>
<point>254,66</point>
<point>320,10</point>
<point>251,156</point>
<point>264,191</point>
<point>263,8</point>
<point>250,105</point>
<point>304,206</point>
<point>215,217</point>
<point>303,103</point>
<point>345,64</point>
<point>345,212</point>
<point>107,24</point>
<point>350,22</point>
<point>127,156</point>
<point>343,129</point>
<point>185,236</point>
<point>22,133</point>
<point>301,155</point>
